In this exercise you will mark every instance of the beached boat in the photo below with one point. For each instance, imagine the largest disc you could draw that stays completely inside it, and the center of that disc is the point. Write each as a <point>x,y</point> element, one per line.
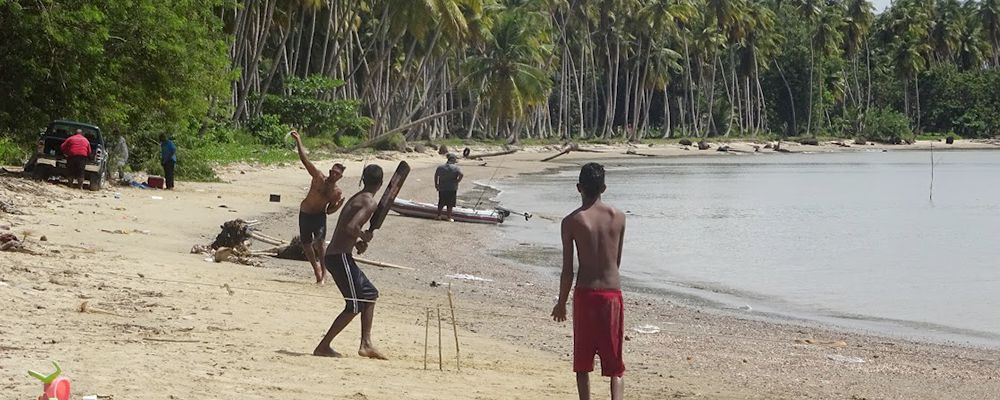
<point>461,214</point>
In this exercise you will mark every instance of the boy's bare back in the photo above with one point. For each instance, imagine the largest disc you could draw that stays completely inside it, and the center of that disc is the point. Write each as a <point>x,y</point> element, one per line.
<point>597,231</point>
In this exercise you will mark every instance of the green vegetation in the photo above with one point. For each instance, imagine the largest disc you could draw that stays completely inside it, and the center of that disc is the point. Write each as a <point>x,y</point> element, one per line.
<point>886,126</point>
<point>11,153</point>
<point>227,77</point>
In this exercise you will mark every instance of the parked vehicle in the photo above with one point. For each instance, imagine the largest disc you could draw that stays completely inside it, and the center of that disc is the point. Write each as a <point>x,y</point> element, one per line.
<point>48,159</point>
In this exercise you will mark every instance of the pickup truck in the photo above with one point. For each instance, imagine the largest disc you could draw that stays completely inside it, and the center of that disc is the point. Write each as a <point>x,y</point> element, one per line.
<point>48,159</point>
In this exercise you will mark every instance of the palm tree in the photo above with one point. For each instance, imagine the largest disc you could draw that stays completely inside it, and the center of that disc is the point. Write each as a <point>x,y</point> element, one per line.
<point>509,71</point>
<point>971,52</point>
<point>809,10</point>
<point>989,14</point>
<point>826,39</point>
<point>858,19</point>
<point>945,29</point>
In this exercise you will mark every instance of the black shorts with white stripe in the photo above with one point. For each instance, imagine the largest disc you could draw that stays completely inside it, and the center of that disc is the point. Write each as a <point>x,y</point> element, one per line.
<point>353,283</point>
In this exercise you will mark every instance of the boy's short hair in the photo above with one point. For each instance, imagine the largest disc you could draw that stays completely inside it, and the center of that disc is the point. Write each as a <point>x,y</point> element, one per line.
<point>339,166</point>
<point>372,175</point>
<point>592,179</point>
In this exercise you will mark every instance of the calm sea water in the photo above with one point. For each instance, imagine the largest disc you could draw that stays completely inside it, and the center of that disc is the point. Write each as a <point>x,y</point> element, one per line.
<point>850,239</point>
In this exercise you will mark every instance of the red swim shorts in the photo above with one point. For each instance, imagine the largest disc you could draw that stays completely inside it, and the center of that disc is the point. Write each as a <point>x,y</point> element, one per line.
<point>598,317</point>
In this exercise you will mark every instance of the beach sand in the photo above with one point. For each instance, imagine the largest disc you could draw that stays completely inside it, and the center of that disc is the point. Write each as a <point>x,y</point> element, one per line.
<point>175,331</point>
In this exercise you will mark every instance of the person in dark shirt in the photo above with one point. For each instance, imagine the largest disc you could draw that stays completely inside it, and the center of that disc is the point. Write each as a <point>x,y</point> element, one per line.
<point>168,158</point>
<point>446,180</point>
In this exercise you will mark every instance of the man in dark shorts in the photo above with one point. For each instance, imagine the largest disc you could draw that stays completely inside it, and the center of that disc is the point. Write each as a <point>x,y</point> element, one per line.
<point>358,291</point>
<point>446,179</point>
<point>597,230</point>
<point>324,198</point>
<point>76,149</point>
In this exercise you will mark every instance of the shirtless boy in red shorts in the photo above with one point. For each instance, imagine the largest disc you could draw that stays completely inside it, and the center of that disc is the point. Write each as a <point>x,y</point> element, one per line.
<point>597,230</point>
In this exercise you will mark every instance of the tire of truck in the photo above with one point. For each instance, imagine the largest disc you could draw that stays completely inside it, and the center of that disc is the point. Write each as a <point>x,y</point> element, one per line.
<point>40,172</point>
<point>95,179</point>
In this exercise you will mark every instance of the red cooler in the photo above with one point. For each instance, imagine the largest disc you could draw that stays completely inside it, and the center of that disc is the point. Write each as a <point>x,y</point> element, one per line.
<point>155,182</point>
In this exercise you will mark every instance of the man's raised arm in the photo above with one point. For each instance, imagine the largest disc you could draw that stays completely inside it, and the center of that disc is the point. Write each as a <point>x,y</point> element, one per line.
<point>302,156</point>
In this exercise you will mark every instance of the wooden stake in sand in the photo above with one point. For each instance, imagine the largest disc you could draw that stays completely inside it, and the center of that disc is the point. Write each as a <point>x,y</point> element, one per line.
<point>427,330</point>
<point>454,326</point>
<point>440,352</point>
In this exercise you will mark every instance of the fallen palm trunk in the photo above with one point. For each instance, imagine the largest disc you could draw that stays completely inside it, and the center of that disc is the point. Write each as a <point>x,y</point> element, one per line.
<point>499,153</point>
<point>564,152</point>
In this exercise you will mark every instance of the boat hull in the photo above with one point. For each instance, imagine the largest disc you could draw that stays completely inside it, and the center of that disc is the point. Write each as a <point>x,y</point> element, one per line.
<point>425,210</point>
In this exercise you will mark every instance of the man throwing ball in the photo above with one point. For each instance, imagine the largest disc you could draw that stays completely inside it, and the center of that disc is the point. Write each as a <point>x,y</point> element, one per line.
<point>324,198</point>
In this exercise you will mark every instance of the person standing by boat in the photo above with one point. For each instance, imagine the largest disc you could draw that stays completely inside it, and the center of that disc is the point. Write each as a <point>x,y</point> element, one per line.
<point>597,231</point>
<point>446,179</point>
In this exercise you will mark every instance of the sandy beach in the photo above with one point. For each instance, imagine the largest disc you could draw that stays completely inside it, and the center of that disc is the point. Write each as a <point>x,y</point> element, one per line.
<point>171,325</point>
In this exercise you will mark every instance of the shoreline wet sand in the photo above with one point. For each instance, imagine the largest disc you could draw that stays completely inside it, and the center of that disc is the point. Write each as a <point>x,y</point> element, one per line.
<point>177,331</point>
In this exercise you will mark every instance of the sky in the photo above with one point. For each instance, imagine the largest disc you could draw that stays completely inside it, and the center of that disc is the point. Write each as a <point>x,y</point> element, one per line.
<point>881,5</point>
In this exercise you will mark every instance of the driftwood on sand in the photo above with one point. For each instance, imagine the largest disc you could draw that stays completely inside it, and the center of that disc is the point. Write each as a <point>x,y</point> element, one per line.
<point>499,153</point>
<point>293,251</point>
<point>632,152</point>
<point>569,148</point>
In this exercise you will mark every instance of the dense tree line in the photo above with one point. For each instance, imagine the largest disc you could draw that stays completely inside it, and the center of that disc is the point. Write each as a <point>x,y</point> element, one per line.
<point>504,68</point>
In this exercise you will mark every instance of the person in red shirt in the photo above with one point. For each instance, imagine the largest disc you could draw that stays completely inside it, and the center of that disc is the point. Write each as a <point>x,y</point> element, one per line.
<point>76,149</point>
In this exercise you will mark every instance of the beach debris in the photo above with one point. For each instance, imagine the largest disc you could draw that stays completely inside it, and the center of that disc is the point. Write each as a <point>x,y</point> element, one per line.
<point>234,233</point>
<point>156,197</point>
<point>467,277</point>
<point>746,307</point>
<point>230,245</point>
<point>825,343</point>
<point>223,254</point>
<point>646,329</point>
<point>703,145</point>
<point>275,198</point>
<point>435,284</point>
<point>87,309</point>
<point>9,242</point>
<point>442,150</point>
<point>632,152</point>
<point>845,359</point>
<point>482,156</point>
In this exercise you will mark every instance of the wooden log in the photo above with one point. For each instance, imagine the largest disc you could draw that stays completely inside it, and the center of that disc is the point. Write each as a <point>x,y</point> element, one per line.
<point>499,153</point>
<point>272,242</point>
<point>564,152</point>
<point>269,237</point>
<point>382,264</point>
<point>632,152</point>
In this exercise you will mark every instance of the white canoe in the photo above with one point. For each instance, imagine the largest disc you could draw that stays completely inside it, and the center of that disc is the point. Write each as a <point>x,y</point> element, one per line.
<point>461,214</point>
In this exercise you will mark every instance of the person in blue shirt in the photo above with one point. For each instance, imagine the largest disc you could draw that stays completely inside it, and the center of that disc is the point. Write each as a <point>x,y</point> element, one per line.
<point>168,158</point>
